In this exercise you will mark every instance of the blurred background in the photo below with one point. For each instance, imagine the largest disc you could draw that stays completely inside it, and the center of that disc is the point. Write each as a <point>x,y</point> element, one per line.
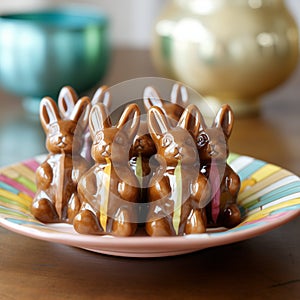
<point>132,21</point>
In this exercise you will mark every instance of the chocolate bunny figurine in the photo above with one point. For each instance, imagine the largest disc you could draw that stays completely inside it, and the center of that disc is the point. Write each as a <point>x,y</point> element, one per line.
<point>143,165</point>
<point>109,190</point>
<point>142,150</point>
<point>178,192</point>
<point>143,147</point>
<point>212,143</point>
<point>56,199</point>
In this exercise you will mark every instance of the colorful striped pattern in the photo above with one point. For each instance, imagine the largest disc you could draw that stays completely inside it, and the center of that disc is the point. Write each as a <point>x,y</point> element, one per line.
<point>104,204</point>
<point>177,197</point>
<point>17,188</point>
<point>268,193</point>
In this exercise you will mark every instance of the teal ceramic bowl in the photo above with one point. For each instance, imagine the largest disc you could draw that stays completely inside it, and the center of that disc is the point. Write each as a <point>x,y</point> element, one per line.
<point>42,51</point>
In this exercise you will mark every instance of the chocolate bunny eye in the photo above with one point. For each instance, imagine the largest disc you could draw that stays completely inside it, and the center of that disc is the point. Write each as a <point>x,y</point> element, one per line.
<point>167,140</point>
<point>202,139</point>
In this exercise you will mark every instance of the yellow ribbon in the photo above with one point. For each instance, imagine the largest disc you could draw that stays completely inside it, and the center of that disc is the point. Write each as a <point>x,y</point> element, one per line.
<point>177,197</point>
<point>139,169</point>
<point>104,201</point>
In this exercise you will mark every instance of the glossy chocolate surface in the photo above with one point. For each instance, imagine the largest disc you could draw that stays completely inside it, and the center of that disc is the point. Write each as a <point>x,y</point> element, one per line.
<point>56,199</point>
<point>212,144</point>
<point>143,148</point>
<point>109,187</point>
<point>167,173</point>
<point>178,191</point>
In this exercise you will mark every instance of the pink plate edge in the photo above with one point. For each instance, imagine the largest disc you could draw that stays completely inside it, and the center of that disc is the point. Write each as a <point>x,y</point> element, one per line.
<point>149,246</point>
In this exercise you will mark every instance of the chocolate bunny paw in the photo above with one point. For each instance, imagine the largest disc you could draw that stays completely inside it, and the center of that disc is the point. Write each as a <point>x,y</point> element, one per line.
<point>231,216</point>
<point>44,211</point>
<point>86,222</point>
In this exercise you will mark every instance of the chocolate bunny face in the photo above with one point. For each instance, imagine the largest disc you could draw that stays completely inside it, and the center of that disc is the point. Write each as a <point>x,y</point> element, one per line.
<point>212,142</point>
<point>174,144</point>
<point>112,142</point>
<point>143,144</point>
<point>60,132</point>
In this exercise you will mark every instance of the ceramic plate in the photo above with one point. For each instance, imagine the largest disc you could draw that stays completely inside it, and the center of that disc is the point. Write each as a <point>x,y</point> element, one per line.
<point>269,197</point>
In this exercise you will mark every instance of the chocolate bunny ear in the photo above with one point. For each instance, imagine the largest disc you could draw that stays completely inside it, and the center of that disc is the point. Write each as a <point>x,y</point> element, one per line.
<point>151,98</point>
<point>192,120</point>
<point>99,119</point>
<point>66,101</point>
<point>130,120</point>
<point>102,95</point>
<point>224,119</point>
<point>48,113</point>
<point>158,124</point>
<point>81,111</point>
<point>179,95</point>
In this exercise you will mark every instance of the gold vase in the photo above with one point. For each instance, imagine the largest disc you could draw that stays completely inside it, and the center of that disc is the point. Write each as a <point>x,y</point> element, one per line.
<point>230,51</point>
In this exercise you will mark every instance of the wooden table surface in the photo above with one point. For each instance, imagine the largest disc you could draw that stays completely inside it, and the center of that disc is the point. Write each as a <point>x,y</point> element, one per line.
<point>264,267</point>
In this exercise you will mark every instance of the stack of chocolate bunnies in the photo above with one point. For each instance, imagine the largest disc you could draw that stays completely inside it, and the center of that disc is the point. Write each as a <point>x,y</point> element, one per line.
<point>165,175</point>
